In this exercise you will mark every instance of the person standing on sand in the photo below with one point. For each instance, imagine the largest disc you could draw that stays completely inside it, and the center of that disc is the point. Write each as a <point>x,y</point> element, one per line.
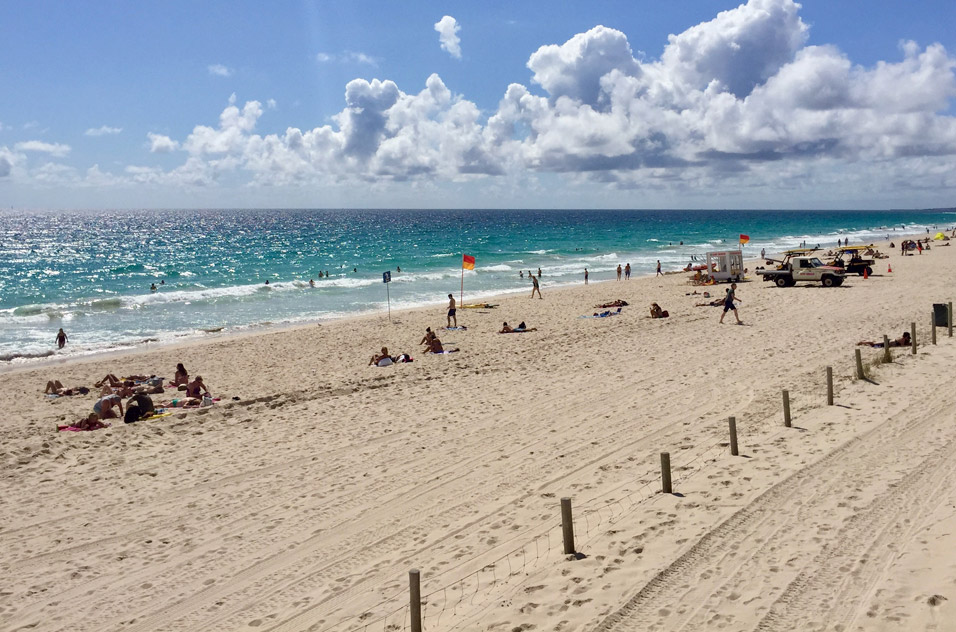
<point>452,311</point>
<point>659,273</point>
<point>619,272</point>
<point>627,272</point>
<point>763,253</point>
<point>61,338</point>
<point>729,303</point>
<point>585,276</point>
<point>534,289</point>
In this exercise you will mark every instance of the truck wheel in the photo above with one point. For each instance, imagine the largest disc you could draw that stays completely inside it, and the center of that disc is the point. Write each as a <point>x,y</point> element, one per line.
<point>782,282</point>
<point>869,271</point>
<point>828,281</point>
<point>837,282</point>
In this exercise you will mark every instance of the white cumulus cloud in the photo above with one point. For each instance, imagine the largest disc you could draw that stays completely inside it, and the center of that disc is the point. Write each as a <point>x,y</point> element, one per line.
<point>218,70</point>
<point>448,28</point>
<point>104,130</point>
<point>160,144</point>
<point>346,57</point>
<point>54,149</point>
<point>739,103</point>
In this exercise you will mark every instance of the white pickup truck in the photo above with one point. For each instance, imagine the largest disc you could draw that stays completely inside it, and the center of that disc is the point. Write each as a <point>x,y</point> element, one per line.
<point>809,269</point>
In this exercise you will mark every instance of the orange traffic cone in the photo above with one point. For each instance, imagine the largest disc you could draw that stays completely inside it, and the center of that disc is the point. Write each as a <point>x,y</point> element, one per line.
<point>866,275</point>
<point>889,267</point>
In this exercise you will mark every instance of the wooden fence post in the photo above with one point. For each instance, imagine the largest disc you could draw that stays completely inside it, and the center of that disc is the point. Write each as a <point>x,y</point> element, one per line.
<point>829,386</point>
<point>949,319</point>
<point>887,354</point>
<point>666,473</point>
<point>732,421</point>
<point>567,525</point>
<point>913,336</point>
<point>415,599</point>
<point>932,327</point>
<point>860,375</point>
<point>786,408</point>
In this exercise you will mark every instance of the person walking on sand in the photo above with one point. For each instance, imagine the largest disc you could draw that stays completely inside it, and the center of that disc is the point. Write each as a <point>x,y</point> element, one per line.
<point>729,303</point>
<point>451,311</point>
<point>534,289</point>
<point>619,272</point>
<point>585,276</point>
<point>659,273</point>
<point>61,338</point>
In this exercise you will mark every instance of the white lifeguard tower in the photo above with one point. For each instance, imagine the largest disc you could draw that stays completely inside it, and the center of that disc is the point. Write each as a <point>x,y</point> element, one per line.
<point>727,265</point>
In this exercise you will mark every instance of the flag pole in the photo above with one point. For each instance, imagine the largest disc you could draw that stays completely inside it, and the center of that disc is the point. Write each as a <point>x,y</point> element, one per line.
<point>461,294</point>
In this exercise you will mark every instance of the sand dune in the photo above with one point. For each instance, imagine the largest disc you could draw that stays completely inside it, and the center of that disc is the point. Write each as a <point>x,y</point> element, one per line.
<point>303,504</point>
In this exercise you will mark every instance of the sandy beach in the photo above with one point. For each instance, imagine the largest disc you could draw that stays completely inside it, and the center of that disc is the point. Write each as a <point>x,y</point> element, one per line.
<point>301,500</point>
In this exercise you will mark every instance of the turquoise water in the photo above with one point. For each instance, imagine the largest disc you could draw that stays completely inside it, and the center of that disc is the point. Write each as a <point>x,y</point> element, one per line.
<point>90,272</point>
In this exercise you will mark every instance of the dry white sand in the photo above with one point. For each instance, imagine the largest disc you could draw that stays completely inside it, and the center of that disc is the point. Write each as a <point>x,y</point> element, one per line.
<point>303,505</point>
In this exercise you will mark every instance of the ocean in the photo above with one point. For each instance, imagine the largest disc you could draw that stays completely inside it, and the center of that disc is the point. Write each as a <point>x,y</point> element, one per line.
<point>90,272</point>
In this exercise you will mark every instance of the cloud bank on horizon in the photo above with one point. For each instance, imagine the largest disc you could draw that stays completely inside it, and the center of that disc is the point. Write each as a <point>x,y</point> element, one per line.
<point>736,103</point>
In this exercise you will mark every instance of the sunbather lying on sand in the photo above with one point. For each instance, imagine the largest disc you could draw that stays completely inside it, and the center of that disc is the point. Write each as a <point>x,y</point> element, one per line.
<point>92,422</point>
<point>56,388</point>
<point>110,380</point>
<point>902,341</point>
<point>521,328</point>
<point>617,303</point>
<point>714,303</point>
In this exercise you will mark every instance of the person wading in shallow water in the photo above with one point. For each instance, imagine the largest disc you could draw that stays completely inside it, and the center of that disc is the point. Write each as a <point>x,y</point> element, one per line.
<point>61,338</point>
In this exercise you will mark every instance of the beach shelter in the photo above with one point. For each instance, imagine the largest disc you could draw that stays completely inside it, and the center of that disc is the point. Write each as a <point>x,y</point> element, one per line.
<point>726,266</point>
<point>939,237</point>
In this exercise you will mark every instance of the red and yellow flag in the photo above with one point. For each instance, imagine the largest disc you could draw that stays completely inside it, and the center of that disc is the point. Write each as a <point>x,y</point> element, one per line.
<point>467,262</point>
<point>744,239</point>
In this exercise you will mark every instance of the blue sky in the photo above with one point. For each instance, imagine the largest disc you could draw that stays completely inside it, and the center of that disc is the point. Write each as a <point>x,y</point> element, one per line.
<point>766,104</point>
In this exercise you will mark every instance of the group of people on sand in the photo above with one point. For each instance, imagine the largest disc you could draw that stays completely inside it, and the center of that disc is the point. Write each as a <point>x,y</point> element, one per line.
<point>433,344</point>
<point>136,390</point>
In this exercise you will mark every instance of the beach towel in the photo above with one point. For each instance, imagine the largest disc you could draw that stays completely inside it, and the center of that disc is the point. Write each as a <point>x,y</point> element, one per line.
<point>61,428</point>
<point>157,414</point>
<point>446,351</point>
<point>462,328</point>
<point>603,314</point>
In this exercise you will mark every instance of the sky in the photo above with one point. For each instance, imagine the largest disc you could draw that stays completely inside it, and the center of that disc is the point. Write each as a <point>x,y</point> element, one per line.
<point>375,104</point>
